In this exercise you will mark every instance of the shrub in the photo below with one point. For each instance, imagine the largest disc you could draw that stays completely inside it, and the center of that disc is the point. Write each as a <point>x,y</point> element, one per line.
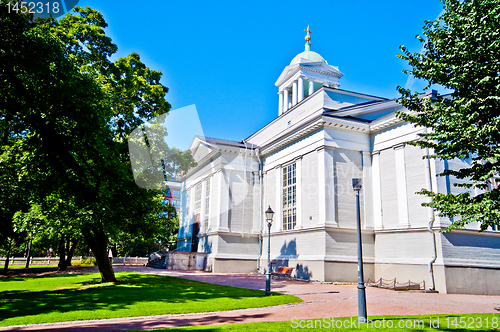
<point>85,262</point>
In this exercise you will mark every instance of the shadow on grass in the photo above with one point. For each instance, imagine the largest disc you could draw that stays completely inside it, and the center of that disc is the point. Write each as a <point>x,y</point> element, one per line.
<point>409,323</point>
<point>90,295</point>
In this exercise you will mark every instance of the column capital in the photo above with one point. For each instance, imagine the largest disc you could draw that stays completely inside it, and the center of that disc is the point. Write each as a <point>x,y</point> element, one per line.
<point>325,147</point>
<point>398,146</point>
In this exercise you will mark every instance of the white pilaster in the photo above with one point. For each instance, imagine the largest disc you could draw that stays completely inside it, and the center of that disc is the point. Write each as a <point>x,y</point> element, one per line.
<point>368,192</point>
<point>211,197</point>
<point>298,183</point>
<point>202,210</point>
<point>262,221</point>
<point>217,186</point>
<point>326,187</point>
<point>377,192</point>
<point>294,93</point>
<point>399,153</point>
<point>280,108</point>
<point>285,100</point>
<point>311,86</point>
<point>225,202</point>
<point>278,215</point>
<point>191,214</point>
<point>256,202</point>
<point>301,89</point>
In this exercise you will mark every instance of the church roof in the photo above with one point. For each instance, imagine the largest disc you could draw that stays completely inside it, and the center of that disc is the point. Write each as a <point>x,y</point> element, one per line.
<point>308,55</point>
<point>219,141</point>
<point>371,102</point>
<point>352,118</point>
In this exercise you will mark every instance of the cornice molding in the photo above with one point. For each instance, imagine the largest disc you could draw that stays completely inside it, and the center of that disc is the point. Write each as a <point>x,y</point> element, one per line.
<point>205,160</point>
<point>333,74</point>
<point>319,123</point>
<point>214,153</point>
<point>386,124</point>
<point>292,137</point>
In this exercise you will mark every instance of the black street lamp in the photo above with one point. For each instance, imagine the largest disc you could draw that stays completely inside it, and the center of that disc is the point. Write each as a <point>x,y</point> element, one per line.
<point>362,318</point>
<point>269,219</point>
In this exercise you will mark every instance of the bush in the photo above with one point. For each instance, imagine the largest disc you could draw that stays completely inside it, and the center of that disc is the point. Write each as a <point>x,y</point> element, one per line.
<point>85,262</point>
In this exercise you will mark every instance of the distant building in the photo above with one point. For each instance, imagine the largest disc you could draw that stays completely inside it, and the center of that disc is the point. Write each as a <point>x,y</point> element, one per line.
<point>301,164</point>
<point>172,193</point>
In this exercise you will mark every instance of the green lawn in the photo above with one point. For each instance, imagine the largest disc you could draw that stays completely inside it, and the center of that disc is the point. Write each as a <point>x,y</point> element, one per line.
<point>68,297</point>
<point>470,322</point>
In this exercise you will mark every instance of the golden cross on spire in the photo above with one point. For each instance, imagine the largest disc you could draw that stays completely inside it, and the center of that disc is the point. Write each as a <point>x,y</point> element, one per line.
<point>308,38</point>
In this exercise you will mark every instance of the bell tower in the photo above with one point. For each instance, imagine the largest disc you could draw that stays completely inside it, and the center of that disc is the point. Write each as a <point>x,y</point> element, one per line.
<point>307,72</point>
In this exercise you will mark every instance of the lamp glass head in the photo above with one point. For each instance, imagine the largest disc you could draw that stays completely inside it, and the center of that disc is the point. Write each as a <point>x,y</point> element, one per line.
<point>356,184</point>
<point>269,214</point>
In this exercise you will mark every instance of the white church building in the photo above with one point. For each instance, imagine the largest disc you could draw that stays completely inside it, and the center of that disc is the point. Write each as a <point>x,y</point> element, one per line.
<point>302,164</point>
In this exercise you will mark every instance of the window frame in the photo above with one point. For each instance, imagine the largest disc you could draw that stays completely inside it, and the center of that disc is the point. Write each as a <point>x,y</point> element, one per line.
<point>289,196</point>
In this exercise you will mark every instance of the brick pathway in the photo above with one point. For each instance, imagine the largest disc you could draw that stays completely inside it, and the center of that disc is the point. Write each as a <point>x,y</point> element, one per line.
<point>320,301</point>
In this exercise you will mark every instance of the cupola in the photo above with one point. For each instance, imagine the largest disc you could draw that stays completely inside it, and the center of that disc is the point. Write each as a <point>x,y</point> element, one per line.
<point>308,72</point>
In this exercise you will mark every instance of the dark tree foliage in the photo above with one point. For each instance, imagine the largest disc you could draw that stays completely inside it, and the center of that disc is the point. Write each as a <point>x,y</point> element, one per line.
<point>66,112</point>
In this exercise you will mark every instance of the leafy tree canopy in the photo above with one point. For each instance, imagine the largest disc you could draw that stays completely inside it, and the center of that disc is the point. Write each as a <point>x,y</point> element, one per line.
<point>66,113</point>
<point>461,51</point>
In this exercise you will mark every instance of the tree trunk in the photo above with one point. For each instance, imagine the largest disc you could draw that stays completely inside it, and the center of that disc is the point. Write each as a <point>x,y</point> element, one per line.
<point>62,255</point>
<point>28,258</point>
<point>6,266</point>
<point>98,242</point>
<point>71,251</point>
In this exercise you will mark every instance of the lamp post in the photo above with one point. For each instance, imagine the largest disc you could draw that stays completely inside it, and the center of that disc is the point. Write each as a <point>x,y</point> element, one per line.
<point>269,219</point>
<point>362,318</point>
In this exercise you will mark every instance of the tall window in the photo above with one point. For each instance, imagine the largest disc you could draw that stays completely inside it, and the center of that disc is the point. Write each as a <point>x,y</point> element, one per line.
<point>207,203</point>
<point>197,198</point>
<point>289,197</point>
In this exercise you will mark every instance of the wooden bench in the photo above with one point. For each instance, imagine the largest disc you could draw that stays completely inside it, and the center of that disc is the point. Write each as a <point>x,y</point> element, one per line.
<point>283,271</point>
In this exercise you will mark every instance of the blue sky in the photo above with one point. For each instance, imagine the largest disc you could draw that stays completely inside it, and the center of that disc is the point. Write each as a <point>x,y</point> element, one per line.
<point>225,56</point>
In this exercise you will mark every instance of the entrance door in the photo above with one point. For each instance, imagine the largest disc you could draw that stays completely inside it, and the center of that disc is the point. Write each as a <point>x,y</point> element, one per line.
<point>194,238</point>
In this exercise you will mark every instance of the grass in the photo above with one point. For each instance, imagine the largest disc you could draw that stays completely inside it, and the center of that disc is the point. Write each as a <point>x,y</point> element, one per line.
<point>473,322</point>
<point>69,297</point>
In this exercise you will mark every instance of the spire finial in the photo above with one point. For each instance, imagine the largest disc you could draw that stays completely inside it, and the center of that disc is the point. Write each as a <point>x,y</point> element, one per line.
<point>308,38</point>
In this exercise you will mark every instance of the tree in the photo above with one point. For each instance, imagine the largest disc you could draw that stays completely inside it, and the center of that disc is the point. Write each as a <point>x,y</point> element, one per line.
<point>55,221</point>
<point>71,109</point>
<point>461,51</point>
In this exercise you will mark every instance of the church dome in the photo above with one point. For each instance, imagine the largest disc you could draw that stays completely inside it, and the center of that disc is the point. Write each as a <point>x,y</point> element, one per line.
<point>308,55</point>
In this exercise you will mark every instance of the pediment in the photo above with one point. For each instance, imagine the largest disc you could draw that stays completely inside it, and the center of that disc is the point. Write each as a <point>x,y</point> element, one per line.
<point>309,68</point>
<point>200,148</point>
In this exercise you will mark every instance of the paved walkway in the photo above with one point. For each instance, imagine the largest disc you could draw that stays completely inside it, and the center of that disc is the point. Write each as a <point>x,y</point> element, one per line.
<point>320,301</point>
